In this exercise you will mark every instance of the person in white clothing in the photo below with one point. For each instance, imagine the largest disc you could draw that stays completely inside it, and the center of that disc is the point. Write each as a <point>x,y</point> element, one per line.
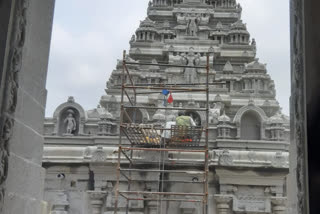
<point>171,121</point>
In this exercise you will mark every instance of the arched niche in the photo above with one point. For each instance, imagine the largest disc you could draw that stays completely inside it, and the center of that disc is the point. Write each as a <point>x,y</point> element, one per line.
<point>250,126</point>
<point>197,118</point>
<point>63,121</point>
<point>61,113</point>
<point>135,116</point>
<point>251,113</point>
<point>141,115</point>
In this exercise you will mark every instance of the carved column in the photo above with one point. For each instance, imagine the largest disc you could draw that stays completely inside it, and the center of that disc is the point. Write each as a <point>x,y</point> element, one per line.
<point>253,84</point>
<point>148,36</point>
<point>279,205</point>
<point>231,86</point>
<point>259,84</point>
<point>223,203</point>
<point>246,84</point>
<point>97,199</point>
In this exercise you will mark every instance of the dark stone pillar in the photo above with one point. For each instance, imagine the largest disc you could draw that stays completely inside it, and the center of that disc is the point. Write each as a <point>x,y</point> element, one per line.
<point>305,106</point>
<point>312,63</point>
<point>297,184</point>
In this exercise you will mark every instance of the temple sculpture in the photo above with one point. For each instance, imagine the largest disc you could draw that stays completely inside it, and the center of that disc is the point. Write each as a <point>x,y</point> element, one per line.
<point>248,134</point>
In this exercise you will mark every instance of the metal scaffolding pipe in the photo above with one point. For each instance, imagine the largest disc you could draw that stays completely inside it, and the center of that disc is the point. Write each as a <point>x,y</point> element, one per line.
<point>167,171</point>
<point>165,65</point>
<point>174,108</point>
<point>161,193</point>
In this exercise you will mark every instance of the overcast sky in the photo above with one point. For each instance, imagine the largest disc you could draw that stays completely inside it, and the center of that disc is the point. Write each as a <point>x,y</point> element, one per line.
<point>88,39</point>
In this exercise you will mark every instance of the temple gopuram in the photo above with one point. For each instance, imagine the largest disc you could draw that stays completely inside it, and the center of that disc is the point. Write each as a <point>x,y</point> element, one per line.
<point>248,136</point>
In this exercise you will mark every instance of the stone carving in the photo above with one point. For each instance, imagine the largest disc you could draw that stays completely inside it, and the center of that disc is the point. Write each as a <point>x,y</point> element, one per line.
<point>215,112</point>
<point>87,152</point>
<point>251,203</point>
<point>71,99</point>
<point>61,204</point>
<point>133,39</point>
<point>253,43</point>
<point>223,203</point>
<point>225,158</point>
<point>279,160</point>
<point>191,59</point>
<point>192,24</point>
<point>244,109</point>
<point>279,205</point>
<point>97,199</point>
<point>99,155</point>
<point>71,123</point>
<point>252,156</point>
<point>9,102</point>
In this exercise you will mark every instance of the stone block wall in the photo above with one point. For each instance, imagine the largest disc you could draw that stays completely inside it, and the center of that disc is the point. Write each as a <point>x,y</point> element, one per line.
<point>23,100</point>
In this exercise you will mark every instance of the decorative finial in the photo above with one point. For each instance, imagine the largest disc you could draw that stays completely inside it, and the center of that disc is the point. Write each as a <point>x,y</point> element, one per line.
<point>71,99</point>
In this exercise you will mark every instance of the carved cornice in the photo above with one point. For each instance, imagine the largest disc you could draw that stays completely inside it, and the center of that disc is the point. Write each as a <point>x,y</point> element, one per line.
<point>9,102</point>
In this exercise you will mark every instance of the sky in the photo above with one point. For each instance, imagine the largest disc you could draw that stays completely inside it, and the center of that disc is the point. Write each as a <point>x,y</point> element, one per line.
<point>88,39</point>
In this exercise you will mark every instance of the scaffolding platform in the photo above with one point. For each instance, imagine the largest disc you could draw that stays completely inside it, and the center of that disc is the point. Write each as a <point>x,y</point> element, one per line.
<point>149,140</point>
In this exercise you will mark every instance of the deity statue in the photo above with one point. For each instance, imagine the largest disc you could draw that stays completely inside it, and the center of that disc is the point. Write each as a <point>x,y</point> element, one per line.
<point>192,27</point>
<point>215,112</point>
<point>133,38</point>
<point>197,60</point>
<point>71,122</point>
<point>191,60</point>
<point>253,43</point>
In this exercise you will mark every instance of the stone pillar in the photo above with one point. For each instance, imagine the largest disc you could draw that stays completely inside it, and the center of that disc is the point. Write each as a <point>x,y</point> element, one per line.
<point>60,204</point>
<point>148,36</point>
<point>245,84</point>
<point>97,199</point>
<point>25,34</point>
<point>223,203</point>
<point>231,86</point>
<point>254,86</point>
<point>259,84</point>
<point>279,205</point>
<point>265,85</point>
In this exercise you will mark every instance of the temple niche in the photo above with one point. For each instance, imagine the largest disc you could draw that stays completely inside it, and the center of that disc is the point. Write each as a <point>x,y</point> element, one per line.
<point>248,134</point>
<point>69,122</point>
<point>250,126</point>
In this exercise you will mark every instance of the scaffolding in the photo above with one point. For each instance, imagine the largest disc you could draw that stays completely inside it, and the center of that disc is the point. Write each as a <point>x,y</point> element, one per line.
<point>148,138</point>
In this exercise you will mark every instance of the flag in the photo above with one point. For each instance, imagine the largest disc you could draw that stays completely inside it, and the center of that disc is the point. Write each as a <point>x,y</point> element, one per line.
<point>165,92</point>
<point>170,99</point>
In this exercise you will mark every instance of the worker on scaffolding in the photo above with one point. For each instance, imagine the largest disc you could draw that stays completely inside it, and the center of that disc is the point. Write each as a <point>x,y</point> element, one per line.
<point>171,121</point>
<point>184,122</point>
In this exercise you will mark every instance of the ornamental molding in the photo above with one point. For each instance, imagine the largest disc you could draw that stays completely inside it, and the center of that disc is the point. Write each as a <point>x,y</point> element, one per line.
<point>10,98</point>
<point>99,155</point>
<point>244,109</point>
<point>225,158</point>
<point>67,105</point>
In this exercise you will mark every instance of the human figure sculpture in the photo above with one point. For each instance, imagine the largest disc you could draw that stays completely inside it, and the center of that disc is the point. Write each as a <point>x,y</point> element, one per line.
<point>215,112</point>
<point>191,60</point>
<point>133,38</point>
<point>253,42</point>
<point>71,123</point>
<point>192,27</point>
